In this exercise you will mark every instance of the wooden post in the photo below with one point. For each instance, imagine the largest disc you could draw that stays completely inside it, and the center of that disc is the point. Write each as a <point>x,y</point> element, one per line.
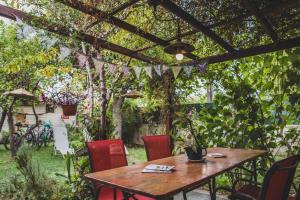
<point>168,109</point>
<point>103,105</point>
<point>11,127</point>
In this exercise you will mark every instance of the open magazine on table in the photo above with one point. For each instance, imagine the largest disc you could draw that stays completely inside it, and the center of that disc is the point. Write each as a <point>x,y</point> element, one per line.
<point>153,168</point>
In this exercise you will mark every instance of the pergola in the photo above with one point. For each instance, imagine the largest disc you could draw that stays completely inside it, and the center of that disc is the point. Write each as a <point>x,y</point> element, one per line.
<point>269,15</point>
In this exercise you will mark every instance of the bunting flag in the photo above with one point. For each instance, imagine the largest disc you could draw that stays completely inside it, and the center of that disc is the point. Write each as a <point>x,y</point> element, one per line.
<point>125,70</point>
<point>165,68</point>
<point>49,42</point>
<point>157,69</point>
<point>82,60</point>
<point>137,71</point>
<point>188,70</point>
<point>176,71</point>
<point>203,66</point>
<point>112,68</point>
<point>148,71</point>
<point>98,65</point>
<point>64,52</point>
<point>29,32</point>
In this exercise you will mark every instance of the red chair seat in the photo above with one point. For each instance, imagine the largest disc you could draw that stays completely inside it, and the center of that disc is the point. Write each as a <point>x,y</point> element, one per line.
<point>108,194</point>
<point>250,190</point>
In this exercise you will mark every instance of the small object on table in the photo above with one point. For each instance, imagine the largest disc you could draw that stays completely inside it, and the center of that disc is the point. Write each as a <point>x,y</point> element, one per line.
<point>216,155</point>
<point>202,160</point>
<point>152,168</point>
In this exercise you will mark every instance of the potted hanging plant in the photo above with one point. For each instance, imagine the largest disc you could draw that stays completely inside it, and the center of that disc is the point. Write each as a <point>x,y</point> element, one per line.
<point>66,99</point>
<point>192,140</point>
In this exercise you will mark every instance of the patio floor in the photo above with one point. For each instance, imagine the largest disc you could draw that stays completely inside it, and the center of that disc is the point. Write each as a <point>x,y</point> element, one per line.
<point>197,195</point>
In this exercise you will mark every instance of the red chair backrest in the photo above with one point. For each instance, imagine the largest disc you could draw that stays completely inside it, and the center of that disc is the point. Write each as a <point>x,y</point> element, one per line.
<point>278,180</point>
<point>106,154</point>
<point>157,146</point>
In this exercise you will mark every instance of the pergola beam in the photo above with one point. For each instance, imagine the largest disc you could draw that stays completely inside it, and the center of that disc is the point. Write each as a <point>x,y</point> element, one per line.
<point>103,16</point>
<point>172,7</point>
<point>258,14</point>
<point>115,11</point>
<point>280,45</point>
<point>65,31</point>
<point>122,7</point>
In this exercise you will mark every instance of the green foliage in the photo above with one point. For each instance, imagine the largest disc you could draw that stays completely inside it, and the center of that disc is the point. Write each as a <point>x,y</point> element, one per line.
<point>33,183</point>
<point>131,121</point>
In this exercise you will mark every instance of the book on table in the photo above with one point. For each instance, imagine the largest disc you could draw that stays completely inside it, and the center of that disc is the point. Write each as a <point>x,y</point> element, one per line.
<point>152,168</point>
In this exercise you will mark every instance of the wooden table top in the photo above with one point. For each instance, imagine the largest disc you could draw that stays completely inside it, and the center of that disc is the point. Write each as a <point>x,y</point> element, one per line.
<point>158,185</point>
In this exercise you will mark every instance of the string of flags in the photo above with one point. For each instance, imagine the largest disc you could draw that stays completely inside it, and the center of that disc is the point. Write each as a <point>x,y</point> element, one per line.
<point>26,31</point>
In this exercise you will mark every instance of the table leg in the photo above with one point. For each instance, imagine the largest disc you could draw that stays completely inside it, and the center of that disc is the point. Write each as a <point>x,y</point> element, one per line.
<point>213,188</point>
<point>254,170</point>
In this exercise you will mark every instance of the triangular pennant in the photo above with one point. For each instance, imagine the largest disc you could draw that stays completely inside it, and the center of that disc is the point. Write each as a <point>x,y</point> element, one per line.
<point>64,52</point>
<point>188,70</point>
<point>203,66</point>
<point>98,65</point>
<point>50,42</point>
<point>82,60</point>
<point>137,71</point>
<point>112,68</point>
<point>157,69</point>
<point>176,71</point>
<point>29,32</point>
<point>125,70</point>
<point>165,68</point>
<point>148,71</point>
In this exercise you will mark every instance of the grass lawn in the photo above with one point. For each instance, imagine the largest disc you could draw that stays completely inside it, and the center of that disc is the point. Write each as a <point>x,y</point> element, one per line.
<point>52,164</point>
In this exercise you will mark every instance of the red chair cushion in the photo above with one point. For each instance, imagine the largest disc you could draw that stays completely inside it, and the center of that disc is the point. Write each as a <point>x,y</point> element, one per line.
<point>292,198</point>
<point>250,190</point>
<point>157,146</point>
<point>108,194</point>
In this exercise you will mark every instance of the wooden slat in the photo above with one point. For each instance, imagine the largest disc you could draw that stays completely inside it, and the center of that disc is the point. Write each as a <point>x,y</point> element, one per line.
<point>259,16</point>
<point>102,16</point>
<point>65,31</point>
<point>281,45</point>
<point>172,7</point>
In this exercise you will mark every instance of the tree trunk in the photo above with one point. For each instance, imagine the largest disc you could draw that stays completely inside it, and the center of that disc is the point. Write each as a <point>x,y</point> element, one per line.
<point>3,116</point>
<point>103,105</point>
<point>210,93</point>
<point>117,115</point>
<point>168,109</point>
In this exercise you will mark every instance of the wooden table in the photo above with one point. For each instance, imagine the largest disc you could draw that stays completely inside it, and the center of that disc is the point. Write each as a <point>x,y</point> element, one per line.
<point>187,175</point>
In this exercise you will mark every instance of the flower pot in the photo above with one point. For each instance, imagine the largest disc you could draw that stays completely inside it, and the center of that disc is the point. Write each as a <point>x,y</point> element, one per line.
<point>69,110</point>
<point>195,155</point>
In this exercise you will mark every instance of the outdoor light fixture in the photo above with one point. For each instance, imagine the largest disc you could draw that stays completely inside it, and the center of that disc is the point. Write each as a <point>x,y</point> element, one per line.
<point>179,56</point>
<point>179,49</point>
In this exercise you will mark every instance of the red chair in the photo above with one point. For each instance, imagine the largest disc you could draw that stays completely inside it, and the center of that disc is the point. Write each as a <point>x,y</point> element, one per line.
<point>276,184</point>
<point>104,155</point>
<point>157,146</point>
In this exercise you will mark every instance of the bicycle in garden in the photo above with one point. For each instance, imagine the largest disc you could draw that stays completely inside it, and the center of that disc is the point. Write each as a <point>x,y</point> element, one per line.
<point>20,135</point>
<point>44,136</point>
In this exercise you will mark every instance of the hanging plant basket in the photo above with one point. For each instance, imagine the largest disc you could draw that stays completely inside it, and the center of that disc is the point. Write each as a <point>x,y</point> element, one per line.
<point>69,110</point>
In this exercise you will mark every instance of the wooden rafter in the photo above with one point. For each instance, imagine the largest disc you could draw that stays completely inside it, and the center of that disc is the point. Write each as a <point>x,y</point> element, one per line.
<point>172,7</point>
<point>100,15</point>
<point>280,45</point>
<point>115,11</point>
<point>122,7</point>
<point>65,31</point>
<point>275,8</point>
<point>259,16</point>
